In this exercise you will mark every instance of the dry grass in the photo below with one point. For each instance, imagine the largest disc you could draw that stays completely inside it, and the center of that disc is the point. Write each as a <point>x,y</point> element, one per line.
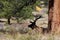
<point>28,36</point>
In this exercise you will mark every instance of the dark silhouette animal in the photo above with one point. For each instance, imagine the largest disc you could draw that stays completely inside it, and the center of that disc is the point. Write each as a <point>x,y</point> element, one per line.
<point>34,26</point>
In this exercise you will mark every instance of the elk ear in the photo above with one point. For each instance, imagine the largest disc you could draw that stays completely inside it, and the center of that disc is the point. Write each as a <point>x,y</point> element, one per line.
<point>31,22</point>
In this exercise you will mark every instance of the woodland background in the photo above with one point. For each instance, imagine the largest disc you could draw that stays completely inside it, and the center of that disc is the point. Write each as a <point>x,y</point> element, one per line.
<point>29,20</point>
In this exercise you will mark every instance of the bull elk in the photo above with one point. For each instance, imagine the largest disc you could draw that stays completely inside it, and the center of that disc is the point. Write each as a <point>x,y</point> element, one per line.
<point>34,26</point>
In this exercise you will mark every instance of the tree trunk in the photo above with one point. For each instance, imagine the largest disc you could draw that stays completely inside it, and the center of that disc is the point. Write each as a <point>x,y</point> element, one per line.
<point>9,20</point>
<point>56,17</point>
<point>50,15</point>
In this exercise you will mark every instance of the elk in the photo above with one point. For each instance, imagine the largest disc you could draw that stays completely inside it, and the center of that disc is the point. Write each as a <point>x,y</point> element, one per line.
<point>34,26</point>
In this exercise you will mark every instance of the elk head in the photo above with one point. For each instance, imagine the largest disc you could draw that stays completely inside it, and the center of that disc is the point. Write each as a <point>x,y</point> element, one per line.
<point>33,24</point>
